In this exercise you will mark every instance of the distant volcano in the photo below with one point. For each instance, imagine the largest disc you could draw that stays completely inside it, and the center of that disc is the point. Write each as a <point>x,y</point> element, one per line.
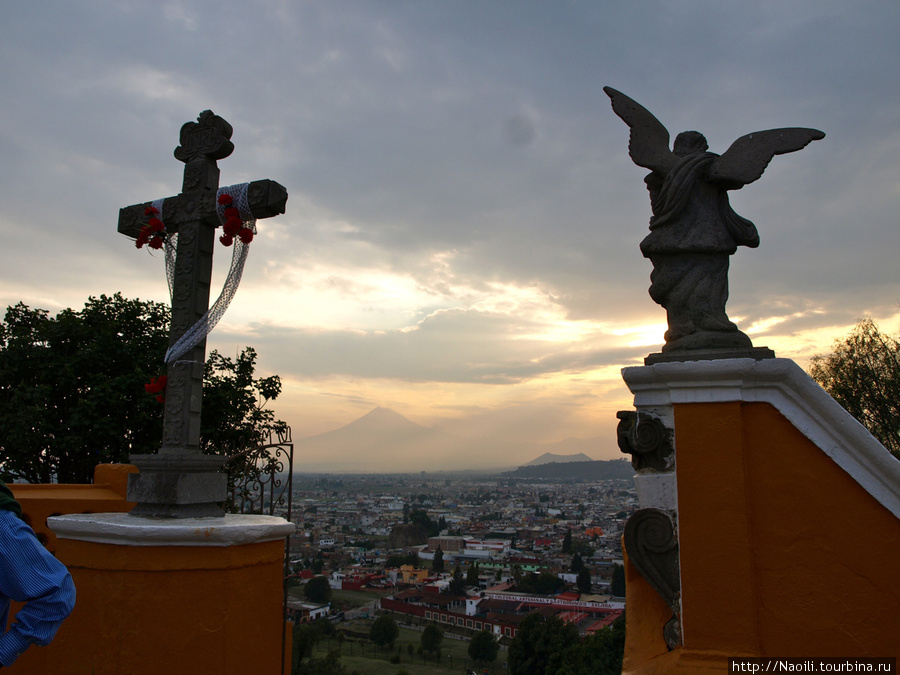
<point>384,441</point>
<point>549,458</point>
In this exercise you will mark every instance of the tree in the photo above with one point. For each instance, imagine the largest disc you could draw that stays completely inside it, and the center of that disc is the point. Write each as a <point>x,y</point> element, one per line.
<point>72,387</point>
<point>306,636</point>
<point>437,565</point>
<point>72,390</point>
<point>863,375</point>
<point>431,639</point>
<point>384,631</point>
<point>317,589</point>
<point>484,647</point>
<point>577,563</point>
<point>457,584</point>
<point>583,581</point>
<point>235,420</point>
<point>421,518</point>
<point>600,653</point>
<point>567,542</point>
<point>235,416</point>
<point>545,583</point>
<point>472,574</point>
<point>540,646</point>
<point>617,584</point>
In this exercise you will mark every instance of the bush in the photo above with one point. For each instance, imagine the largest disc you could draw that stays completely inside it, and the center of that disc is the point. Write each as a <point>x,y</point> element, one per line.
<point>384,631</point>
<point>484,647</point>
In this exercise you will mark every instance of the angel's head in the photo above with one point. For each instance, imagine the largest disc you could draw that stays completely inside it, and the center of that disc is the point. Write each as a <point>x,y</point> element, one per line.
<point>689,143</point>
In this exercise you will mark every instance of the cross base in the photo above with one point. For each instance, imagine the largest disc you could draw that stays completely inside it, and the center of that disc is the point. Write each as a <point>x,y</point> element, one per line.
<point>177,485</point>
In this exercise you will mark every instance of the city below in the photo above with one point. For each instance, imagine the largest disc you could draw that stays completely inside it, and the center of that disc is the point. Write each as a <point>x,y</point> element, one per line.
<point>465,549</point>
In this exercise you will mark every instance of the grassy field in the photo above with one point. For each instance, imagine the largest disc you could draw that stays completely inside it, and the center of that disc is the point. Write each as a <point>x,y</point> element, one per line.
<point>344,600</point>
<point>364,658</point>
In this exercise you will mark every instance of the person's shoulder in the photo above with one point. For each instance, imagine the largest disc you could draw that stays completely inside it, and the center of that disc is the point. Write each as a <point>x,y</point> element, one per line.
<point>12,525</point>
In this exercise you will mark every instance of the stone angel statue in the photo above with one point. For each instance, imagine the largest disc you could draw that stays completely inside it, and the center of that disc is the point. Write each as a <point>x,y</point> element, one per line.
<point>694,230</point>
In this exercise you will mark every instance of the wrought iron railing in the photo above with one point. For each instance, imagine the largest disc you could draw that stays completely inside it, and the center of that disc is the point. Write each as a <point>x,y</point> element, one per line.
<point>260,481</point>
<point>260,478</point>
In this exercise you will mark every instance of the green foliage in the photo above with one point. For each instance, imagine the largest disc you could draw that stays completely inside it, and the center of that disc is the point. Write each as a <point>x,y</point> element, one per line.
<point>600,653</point>
<point>330,664</point>
<point>484,647</point>
<point>583,548</point>
<point>317,589</point>
<point>583,581</point>
<point>384,631</point>
<point>545,583</point>
<point>72,391</point>
<point>431,639</point>
<point>305,637</point>
<point>472,574</point>
<point>617,584</point>
<point>541,645</point>
<point>420,517</point>
<point>577,563</point>
<point>457,585</point>
<point>567,542</point>
<point>72,387</point>
<point>863,375</point>
<point>437,564</point>
<point>235,417</point>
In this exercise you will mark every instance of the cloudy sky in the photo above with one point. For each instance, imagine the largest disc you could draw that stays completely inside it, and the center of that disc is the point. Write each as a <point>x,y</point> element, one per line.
<point>461,239</point>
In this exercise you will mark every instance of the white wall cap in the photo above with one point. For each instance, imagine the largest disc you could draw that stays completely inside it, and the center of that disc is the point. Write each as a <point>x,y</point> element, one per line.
<point>126,530</point>
<point>784,385</point>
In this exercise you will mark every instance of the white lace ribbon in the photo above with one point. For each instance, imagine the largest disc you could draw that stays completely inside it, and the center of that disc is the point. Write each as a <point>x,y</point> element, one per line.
<point>198,332</point>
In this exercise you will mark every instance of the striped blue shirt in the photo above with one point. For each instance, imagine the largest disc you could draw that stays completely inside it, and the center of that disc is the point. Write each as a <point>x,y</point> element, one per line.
<point>29,573</point>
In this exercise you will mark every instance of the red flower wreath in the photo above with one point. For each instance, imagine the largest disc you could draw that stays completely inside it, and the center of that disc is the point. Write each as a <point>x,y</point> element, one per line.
<point>234,224</point>
<point>154,232</point>
<point>157,387</point>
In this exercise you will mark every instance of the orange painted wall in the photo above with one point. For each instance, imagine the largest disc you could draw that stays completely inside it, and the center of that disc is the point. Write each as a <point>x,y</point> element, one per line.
<point>106,495</point>
<point>782,552</point>
<point>168,609</point>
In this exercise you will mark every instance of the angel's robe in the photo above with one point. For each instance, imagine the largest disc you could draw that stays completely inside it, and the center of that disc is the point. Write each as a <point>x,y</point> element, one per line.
<point>693,231</point>
<point>693,215</point>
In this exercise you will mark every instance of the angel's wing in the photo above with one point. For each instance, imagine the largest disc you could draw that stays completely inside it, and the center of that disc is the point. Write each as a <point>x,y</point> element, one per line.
<point>749,155</point>
<point>649,141</point>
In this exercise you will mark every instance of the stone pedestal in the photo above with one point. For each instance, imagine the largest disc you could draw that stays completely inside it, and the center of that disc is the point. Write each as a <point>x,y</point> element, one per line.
<point>178,485</point>
<point>156,596</point>
<point>786,514</point>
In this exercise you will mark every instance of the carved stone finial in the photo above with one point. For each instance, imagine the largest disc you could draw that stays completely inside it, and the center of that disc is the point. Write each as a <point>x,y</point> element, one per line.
<point>208,137</point>
<point>646,439</point>
<point>652,547</point>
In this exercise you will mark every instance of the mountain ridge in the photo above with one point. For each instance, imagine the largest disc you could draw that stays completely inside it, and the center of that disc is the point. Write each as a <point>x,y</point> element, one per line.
<point>551,458</point>
<point>384,439</point>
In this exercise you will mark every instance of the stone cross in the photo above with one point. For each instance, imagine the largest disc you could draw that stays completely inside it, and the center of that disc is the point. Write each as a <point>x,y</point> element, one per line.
<point>180,481</point>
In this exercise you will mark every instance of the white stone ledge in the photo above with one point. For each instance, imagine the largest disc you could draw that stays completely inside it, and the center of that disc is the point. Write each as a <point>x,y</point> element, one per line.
<point>784,385</point>
<point>125,530</point>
